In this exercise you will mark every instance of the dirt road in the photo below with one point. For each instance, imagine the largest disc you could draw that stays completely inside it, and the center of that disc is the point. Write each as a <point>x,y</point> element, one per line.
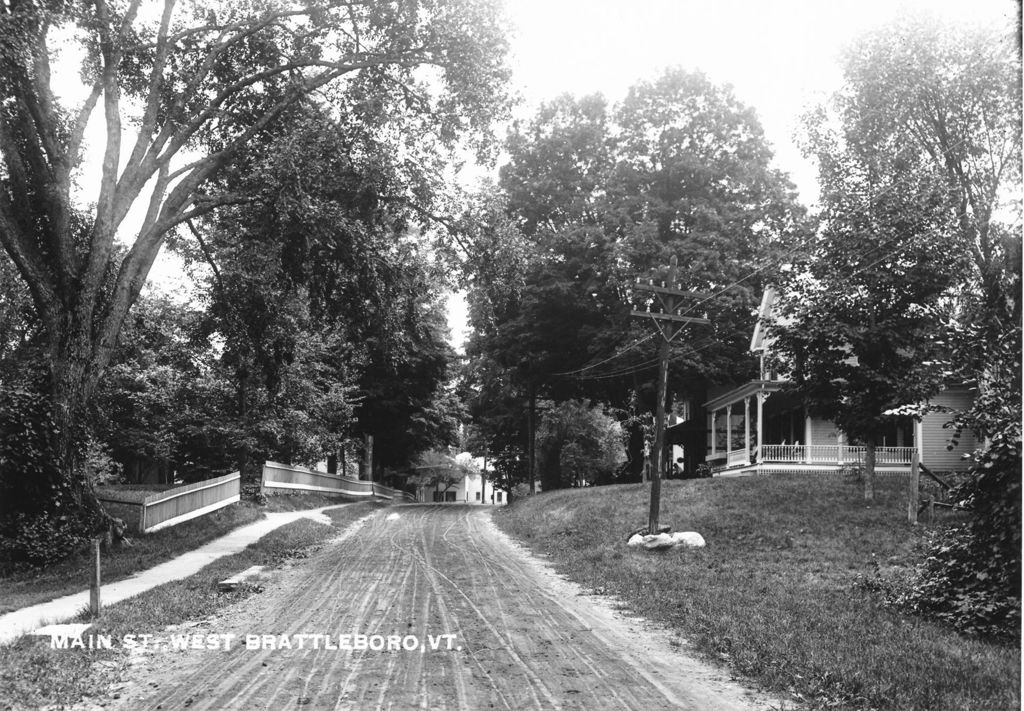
<point>463,619</point>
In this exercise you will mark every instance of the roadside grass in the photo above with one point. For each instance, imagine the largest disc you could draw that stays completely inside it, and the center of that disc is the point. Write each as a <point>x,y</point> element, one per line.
<point>30,587</point>
<point>32,675</point>
<point>782,592</point>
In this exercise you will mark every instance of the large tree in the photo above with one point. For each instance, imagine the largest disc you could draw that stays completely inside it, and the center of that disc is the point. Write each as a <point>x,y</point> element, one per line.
<point>918,158</point>
<point>181,90</point>
<point>950,96</point>
<point>597,197</point>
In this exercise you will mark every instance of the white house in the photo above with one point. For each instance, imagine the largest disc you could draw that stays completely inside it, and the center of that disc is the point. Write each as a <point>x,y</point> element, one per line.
<point>758,427</point>
<point>470,490</point>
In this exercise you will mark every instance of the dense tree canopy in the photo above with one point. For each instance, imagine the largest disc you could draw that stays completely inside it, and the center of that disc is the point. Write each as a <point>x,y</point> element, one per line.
<point>197,84</point>
<point>593,197</point>
<point>918,160</point>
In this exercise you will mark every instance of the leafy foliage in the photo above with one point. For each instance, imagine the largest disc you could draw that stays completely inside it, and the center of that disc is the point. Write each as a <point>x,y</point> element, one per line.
<point>39,520</point>
<point>435,468</point>
<point>199,85</point>
<point>593,197</point>
<point>580,444</point>
<point>971,577</point>
<point>865,317</point>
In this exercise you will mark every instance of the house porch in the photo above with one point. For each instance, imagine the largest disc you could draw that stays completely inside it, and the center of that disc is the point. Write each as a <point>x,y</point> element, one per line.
<point>755,428</point>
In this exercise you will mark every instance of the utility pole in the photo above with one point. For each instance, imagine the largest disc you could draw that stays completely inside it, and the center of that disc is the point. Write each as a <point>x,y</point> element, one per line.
<point>669,325</point>
<point>531,446</point>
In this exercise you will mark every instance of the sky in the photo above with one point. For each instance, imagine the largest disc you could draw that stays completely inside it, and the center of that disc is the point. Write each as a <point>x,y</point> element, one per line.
<point>780,56</point>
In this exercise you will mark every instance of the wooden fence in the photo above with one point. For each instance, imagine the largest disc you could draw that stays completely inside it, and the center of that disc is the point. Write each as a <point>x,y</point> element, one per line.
<point>285,476</point>
<point>177,505</point>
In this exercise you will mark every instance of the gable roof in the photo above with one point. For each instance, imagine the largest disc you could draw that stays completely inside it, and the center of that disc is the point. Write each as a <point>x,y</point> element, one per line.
<point>764,312</point>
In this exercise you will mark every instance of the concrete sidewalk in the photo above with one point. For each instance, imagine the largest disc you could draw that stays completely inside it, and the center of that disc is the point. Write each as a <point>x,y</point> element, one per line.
<point>27,619</point>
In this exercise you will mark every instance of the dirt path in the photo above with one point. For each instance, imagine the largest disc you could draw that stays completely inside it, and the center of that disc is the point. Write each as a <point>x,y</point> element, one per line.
<point>518,637</point>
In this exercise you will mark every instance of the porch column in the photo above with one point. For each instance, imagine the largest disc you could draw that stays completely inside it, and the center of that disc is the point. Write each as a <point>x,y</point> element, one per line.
<point>712,417</point>
<point>807,435</point>
<point>841,441</point>
<point>728,428</point>
<point>919,439</point>
<point>760,426</point>
<point>746,426</point>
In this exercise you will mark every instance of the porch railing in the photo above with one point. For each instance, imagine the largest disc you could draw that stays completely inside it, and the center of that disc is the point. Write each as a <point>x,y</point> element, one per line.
<point>833,454</point>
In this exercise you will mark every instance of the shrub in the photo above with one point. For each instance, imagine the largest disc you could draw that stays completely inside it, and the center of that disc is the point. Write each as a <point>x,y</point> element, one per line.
<point>971,576</point>
<point>40,521</point>
<point>519,491</point>
<point>42,539</point>
<point>100,467</point>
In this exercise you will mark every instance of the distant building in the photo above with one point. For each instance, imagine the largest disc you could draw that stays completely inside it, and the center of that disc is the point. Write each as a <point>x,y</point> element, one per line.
<point>471,489</point>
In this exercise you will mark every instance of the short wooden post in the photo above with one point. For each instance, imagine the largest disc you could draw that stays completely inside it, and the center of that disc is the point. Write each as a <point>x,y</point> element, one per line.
<point>931,509</point>
<point>94,586</point>
<point>915,492</point>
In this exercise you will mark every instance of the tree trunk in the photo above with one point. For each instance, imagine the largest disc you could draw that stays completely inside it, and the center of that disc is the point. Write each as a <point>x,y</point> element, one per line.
<point>70,392</point>
<point>245,463</point>
<point>869,468</point>
<point>483,482</point>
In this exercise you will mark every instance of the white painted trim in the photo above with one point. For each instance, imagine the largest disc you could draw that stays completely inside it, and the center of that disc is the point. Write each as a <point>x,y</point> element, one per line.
<point>760,426</point>
<point>313,487</point>
<point>194,514</point>
<point>746,426</point>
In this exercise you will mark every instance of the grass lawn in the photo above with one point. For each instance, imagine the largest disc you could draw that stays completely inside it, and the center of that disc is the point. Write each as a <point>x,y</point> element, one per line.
<point>774,595</point>
<point>32,675</point>
<point>31,587</point>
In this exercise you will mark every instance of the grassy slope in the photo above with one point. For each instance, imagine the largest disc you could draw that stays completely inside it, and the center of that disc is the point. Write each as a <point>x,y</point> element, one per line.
<point>32,587</point>
<point>32,675</point>
<point>773,595</point>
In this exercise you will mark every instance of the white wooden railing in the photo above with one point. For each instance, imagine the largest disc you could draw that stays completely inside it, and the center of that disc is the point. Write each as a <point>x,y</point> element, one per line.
<point>833,454</point>
<point>284,476</point>
<point>182,503</point>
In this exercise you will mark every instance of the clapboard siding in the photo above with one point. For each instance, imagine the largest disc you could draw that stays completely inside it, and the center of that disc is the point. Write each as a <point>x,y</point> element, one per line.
<point>935,438</point>
<point>823,432</point>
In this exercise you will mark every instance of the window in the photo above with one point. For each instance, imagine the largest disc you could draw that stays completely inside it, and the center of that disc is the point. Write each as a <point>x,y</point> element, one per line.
<point>498,494</point>
<point>449,496</point>
<point>477,496</point>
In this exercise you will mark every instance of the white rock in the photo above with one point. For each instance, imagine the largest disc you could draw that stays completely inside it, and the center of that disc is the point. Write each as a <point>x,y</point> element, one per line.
<point>661,540</point>
<point>688,538</point>
<point>391,517</point>
<point>635,540</point>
